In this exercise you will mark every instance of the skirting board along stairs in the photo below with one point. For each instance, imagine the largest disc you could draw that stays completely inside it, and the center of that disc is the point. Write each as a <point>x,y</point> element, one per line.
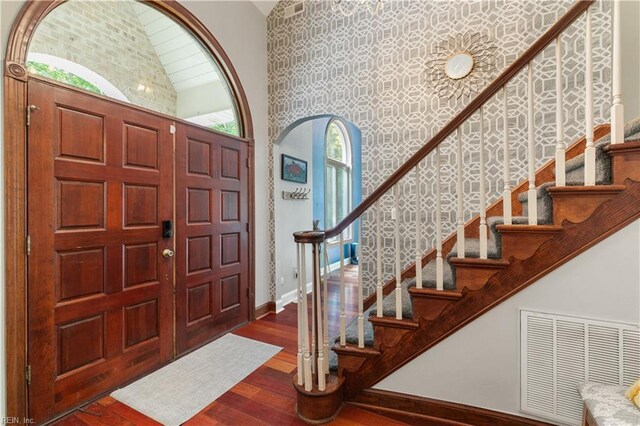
<point>571,219</point>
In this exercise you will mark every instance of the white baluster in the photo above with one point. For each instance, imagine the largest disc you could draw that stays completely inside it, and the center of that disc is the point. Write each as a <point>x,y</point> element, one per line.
<point>460,195</point>
<point>483,193</point>
<point>301,294</point>
<point>590,150</point>
<point>396,193</point>
<point>379,285</point>
<point>506,192</point>
<point>617,108</point>
<point>319,332</point>
<point>418,230</point>
<point>360,289</point>
<point>439,262</point>
<point>308,381</point>
<point>560,145</point>
<point>325,307</point>
<point>343,314</point>
<point>532,201</point>
<point>314,352</point>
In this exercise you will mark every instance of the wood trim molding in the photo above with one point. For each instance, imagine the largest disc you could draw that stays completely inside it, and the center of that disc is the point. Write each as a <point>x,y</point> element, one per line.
<point>15,101</point>
<point>606,219</point>
<point>417,410</point>
<point>15,248</point>
<point>265,309</point>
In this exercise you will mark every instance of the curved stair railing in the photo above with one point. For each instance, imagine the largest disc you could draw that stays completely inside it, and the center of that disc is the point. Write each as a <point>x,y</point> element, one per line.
<point>313,379</point>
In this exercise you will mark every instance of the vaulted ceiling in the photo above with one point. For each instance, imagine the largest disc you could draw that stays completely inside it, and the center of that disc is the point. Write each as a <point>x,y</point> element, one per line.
<point>185,62</point>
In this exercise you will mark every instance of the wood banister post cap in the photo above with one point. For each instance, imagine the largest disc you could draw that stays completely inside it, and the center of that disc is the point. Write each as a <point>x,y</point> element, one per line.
<point>308,237</point>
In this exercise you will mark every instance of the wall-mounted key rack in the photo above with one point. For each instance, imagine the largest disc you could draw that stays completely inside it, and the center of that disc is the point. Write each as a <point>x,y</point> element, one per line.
<point>298,194</point>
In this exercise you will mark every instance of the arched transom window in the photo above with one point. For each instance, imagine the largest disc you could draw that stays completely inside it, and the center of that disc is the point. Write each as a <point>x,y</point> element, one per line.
<point>130,51</point>
<point>338,166</point>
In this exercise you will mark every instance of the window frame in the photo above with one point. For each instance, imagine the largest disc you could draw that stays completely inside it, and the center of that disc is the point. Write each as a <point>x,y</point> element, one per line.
<point>347,166</point>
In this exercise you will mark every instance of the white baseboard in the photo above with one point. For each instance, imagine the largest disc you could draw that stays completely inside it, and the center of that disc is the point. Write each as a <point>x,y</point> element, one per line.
<point>291,296</point>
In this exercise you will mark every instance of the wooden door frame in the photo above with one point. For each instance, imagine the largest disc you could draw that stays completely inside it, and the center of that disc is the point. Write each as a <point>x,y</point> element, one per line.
<point>15,161</point>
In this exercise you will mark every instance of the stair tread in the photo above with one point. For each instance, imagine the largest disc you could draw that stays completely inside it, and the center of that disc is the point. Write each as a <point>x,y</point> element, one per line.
<point>589,189</point>
<point>474,261</point>
<point>628,145</point>
<point>530,228</point>
<point>432,292</point>
<point>352,349</point>
<point>394,322</point>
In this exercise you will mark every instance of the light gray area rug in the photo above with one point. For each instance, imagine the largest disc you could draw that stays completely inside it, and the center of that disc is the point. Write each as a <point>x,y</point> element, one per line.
<point>177,392</point>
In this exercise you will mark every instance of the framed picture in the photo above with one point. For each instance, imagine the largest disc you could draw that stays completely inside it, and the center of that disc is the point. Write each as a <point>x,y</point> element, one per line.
<point>293,169</point>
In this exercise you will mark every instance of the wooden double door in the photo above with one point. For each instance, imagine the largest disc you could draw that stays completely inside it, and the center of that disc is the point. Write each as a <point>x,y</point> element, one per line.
<point>107,298</point>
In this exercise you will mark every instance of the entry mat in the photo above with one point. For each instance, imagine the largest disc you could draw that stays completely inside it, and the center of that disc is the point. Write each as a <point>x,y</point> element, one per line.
<point>177,392</point>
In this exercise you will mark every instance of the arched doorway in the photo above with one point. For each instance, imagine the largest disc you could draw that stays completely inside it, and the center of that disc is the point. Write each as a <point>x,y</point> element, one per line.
<point>331,148</point>
<point>21,206</point>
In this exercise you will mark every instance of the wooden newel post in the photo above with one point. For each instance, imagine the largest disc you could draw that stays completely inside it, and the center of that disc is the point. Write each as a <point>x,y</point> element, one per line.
<point>320,395</point>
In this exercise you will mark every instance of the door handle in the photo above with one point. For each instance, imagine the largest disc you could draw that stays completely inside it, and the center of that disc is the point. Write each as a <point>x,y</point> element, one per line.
<point>167,253</point>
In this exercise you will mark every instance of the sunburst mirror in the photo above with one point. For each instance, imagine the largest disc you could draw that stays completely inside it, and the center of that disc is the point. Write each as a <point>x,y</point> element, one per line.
<point>461,65</point>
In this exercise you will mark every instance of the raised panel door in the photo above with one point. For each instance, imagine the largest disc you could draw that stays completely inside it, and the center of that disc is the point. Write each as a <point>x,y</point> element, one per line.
<point>100,182</point>
<point>211,236</point>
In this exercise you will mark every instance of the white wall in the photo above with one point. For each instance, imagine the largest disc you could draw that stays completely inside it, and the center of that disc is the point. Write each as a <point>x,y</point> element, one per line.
<point>630,10</point>
<point>292,216</point>
<point>241,29</point>
<point>479,364</point>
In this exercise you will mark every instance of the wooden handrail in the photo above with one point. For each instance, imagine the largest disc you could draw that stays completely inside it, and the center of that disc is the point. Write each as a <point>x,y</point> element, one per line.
<point>567,19</point>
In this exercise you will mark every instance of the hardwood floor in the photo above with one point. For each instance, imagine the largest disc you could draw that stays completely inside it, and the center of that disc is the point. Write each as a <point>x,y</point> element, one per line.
<point>266,396</point>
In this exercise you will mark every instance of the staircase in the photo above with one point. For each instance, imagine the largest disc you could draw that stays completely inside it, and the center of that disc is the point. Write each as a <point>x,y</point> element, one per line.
<point>589,191</point>
<point>576,217</point>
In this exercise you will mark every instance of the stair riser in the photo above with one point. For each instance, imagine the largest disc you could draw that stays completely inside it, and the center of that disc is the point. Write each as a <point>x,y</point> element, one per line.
<point>522,245</point>
<point>349,363</point>
<point>625,166</point>
<point>473,278</point>
<point>387,337</point>
<point>428,309</point>
<point>576,207</point>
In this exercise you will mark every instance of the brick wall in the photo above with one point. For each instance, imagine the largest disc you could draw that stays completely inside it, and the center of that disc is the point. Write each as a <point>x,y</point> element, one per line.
<point>108,38</point>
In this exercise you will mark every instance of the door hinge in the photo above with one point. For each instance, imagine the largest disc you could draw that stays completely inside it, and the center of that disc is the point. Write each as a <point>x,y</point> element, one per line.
<point>27,374</point>
<point>172,129</point>
<point>29,109</point>
<point>248,163</point>
<point>247,226</point>
<point>28,244</point>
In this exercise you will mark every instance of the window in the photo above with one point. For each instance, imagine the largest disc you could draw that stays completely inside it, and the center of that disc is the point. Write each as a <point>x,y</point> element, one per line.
<point>151,61</point>
<point>338,164</point>
<point>72,74</point>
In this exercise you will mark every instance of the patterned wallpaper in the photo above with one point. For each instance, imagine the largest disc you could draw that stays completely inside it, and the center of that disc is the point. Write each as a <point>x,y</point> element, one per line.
<point>371,71</point>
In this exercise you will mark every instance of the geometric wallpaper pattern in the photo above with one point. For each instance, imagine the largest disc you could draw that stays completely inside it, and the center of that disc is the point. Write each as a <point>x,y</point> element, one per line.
<point>371,71</point>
